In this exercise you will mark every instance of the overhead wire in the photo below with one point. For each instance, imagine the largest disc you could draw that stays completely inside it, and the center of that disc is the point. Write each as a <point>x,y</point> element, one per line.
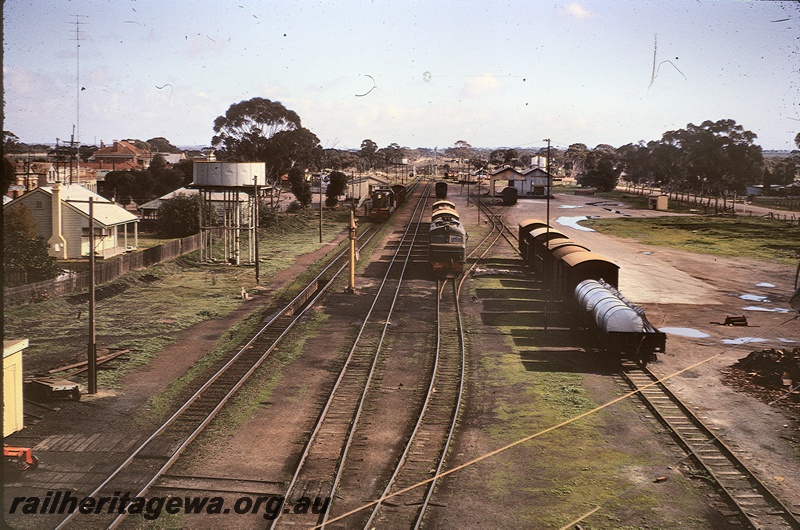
<point>542,432</point>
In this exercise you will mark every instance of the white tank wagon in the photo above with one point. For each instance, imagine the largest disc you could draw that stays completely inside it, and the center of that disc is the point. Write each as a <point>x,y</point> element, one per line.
<point>620,326</point>
<point>229,194</point>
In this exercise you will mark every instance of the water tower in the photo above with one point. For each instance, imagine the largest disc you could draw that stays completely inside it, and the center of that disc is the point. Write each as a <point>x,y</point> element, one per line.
<point>228,208</point>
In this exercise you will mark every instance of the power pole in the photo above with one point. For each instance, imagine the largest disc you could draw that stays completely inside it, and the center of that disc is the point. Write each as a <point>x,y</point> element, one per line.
<point>92,353</point>
<point>255,222</point>
<point>548,190</point>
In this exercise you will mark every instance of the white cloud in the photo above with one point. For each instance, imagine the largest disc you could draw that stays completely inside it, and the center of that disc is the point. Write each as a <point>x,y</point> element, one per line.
<point>485,85</point>
<point>574,9</point>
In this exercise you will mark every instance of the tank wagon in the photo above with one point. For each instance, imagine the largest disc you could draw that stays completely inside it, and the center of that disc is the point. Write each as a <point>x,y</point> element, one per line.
<point>447,241</point>
<point>509,195</point>
<point>620,326</point>
<point>442,204</point>
<point>441,190</point>
<point>587,282</point>
<point>444,213</point>
<point>385,201</point>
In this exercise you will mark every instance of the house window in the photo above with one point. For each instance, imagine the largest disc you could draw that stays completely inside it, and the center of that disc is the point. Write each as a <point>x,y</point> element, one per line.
<point>38,205</point>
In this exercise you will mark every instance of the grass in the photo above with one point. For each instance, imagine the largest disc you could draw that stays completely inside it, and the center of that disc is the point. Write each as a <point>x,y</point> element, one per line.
<point>749,237</point>
<point>568,471</point>
<point>144,309</point>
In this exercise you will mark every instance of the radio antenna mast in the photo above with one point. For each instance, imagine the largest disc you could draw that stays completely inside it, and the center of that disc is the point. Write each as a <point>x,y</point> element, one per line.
<point>78,92</point>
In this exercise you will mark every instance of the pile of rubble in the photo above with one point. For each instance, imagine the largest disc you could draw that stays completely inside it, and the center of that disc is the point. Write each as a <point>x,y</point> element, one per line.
<point>773,375</point>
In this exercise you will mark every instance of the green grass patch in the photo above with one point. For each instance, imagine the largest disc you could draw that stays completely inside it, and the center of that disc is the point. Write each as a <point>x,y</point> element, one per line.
<point>749,237</point>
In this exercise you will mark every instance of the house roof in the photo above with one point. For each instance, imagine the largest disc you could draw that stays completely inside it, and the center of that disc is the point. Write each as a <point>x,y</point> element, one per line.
<point>535,172</point>
<point>503,170</point>
<point>214,196</point>
<point>105,212</point>
<point>121,149</point>
<point>156,203</point>
<point>121,165</point>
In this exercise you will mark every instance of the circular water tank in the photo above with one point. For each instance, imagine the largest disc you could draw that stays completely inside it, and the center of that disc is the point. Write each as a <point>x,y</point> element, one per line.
<point>229,174</point>
<point>616,316</point>
<point>589,293</point>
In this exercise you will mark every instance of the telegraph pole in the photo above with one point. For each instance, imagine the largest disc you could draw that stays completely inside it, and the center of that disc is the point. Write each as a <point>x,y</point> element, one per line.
<point>353,236</point>
<point>92,353</point>
<point>548,189</point>
<point>255,222</point>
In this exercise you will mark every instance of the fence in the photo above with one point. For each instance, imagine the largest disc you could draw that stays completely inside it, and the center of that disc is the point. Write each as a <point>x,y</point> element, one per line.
<point>105,271</point>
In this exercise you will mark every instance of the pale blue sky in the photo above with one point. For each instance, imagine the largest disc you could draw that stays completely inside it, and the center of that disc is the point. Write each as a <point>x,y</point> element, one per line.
<point>495,74</point>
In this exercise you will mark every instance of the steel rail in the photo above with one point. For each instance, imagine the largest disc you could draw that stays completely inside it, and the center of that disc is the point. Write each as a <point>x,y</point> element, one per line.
<point>367,236</point>
<point>498,217</point>
<point>456,408</point>
<point>757,505</point>
<point>324,414</point>
<point>437,388</point>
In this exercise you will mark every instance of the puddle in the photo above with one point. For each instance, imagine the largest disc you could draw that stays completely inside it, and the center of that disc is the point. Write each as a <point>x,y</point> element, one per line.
<point>646,252</point>
<point>744,340</point>
<point>769,309</point>
<point>572,222</point>
<point>754,298</point>
<point>764,284</point>
<point>685,332</point>
<point>790,341</point>
<point>568,206</point>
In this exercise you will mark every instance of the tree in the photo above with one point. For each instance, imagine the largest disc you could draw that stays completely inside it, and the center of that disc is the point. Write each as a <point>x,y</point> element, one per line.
<point>11,142</point>
<point>602,169</point>
<point>797,140</point>
<point>511,157</point>
<point>243,131</point>
<point>179,216</point>
<point>9,176</point>
<point>286,149</point>
<point>158,162</point>
<point>635,160</point>
<point>162,145</point>
<point>368,151</point>
<point>18,218</point>
<point>574,159</point>
<point>718,157</point>
<point>337,184</point>
<point>301,189</point>
<point>22,250</point>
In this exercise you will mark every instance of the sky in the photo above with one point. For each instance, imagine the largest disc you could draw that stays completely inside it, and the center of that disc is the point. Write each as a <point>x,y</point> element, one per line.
<point>419,73</point>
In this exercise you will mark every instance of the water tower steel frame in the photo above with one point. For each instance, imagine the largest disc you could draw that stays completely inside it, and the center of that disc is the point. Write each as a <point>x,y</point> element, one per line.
<point>228,193</point>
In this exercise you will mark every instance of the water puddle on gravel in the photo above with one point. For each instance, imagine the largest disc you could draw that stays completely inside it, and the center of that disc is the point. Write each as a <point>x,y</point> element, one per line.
<point>754,298</point>
<point>768,309</point>
<point>765,284</point>
<point>685,332</point>
<point>572,222</point>
<point>569,206</point>
<point>744,340</point>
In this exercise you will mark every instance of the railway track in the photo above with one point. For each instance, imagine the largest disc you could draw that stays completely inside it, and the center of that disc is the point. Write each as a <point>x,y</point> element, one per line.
<point>319,470</point>
<point>153,457</point>
<point>425,452</point>
<point>757,506</point>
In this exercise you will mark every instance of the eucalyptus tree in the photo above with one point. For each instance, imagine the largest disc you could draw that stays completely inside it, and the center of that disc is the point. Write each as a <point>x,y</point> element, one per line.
<point>718,157</point>
<point>574,159</point>
<point>242,134</point>
<point>368,151</point>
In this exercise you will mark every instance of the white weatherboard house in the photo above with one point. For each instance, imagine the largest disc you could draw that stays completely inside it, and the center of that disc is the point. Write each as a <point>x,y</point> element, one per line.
<point>61,214</point>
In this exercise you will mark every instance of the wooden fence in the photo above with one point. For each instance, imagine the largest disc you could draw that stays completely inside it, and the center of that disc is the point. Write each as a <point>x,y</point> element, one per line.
<point>105,271</point>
